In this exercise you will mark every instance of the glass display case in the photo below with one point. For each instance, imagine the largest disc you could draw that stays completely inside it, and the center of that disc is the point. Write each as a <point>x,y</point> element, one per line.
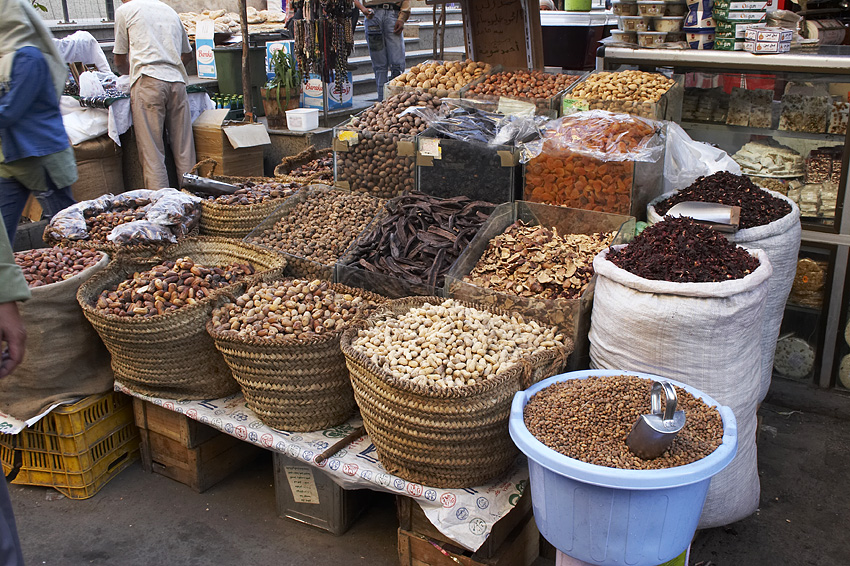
<point>784,119</point>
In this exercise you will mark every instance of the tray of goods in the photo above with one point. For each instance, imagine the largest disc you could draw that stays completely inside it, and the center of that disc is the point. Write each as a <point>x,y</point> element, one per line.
<point>472,152</point>
<point>434,379</point>
<point>409,248</point>
<point>839,113</point>
<point>649,95</point>
<point>45,266</point>
<point>753,108</point>
<point>540,90</point>
<point>596,160</point>
<point>758,207</point>
<point>440,78</point>
<point>805,108</point>
<point>375,151</point>
<point>234,215</point>
<point>705,105</point>
<point>310,166</point>
<point>136,222</point>
<point>151,314</point>
<point>281,341</point>
<point>809,279</point>
<point>769,158</point>
<point>313,228</point>
<point>537,260</point>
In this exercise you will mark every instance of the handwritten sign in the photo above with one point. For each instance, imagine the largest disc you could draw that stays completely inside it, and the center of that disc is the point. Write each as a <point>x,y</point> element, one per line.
<point>497,31</point>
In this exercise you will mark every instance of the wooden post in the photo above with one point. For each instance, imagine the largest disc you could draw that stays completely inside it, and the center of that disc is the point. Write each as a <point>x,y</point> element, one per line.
<point>246,67</point>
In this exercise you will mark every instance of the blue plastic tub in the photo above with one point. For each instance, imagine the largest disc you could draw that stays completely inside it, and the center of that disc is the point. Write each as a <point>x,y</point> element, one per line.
<point>609,516</point>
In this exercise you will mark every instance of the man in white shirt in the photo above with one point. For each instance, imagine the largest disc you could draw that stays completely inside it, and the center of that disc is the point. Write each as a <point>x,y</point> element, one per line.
<point>152,47</point>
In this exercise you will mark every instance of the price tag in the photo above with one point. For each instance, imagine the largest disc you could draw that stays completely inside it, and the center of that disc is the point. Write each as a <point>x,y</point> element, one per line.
<point>511,107</point>
<point>430,147</point>
<point>302,484</point>
<point>571,105</point>
<point>348,136</point>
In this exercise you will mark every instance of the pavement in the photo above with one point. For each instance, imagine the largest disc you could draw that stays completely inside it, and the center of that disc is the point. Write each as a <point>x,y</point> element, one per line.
<point>143,519</point>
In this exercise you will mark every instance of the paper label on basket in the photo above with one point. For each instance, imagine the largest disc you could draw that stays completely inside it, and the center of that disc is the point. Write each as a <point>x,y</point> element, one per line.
<point>430,147</point>
<point>511,107</point>
<point>302,484</point>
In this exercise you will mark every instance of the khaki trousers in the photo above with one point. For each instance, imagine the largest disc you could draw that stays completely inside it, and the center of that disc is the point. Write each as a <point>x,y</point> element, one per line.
<point>159,107</point>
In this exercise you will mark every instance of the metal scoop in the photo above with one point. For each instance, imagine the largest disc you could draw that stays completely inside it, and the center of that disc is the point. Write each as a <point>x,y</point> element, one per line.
<point>652,434</point>
<point>721,217</point>
<point>196,184</point>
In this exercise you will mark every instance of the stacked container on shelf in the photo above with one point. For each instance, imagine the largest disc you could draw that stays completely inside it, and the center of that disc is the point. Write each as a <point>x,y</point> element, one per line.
<point>649,23</point>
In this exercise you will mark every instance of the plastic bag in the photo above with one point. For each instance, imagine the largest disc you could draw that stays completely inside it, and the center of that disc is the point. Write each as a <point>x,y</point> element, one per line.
<point>685,160</point>
<point>600,134</point>
<point>68,224</point>
<point>141,232</point>
<point>90,85</point>
<point>134,198</point>
<point>170,207</point>
<point>463,120</point>
<point>93,207</point>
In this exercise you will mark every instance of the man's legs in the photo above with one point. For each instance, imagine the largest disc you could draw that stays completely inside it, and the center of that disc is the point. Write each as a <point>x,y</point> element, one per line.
<point>147,102</point>
<point>375,35</point>
<point>179,125</point>
<point>10,545</point>
<point>54,199</point>
<point>395,47</point>
<point>13,199</point>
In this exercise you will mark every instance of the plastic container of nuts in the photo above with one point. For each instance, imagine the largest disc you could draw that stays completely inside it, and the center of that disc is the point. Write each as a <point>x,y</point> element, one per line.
<point>481,276</point>
<point>662,505</point>
<point>652,95</point>
<point>651,8</point>
<point>440,78</point>
<point>505,89</point>
<point>633,23</point>
<point>621,8</point>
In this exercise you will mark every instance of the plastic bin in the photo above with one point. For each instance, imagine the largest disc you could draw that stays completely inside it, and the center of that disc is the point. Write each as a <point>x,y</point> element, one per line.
<point>570,316</point>
<point>357,153</point>
<point>77,448</point>
<point>228,68</point>
<point>546,106</point>
<point>447,167</point>
<point>668,107</point>
<point>609,516</point>
<point>302,119</point>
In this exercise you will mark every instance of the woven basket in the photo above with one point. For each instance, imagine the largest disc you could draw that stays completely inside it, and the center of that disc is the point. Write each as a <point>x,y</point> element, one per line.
<point>117,250</point>
<point>234,220</point>
<point>296,386</point>
<point>287,164</point>
<point>171,355</point>
<point>446,438</point>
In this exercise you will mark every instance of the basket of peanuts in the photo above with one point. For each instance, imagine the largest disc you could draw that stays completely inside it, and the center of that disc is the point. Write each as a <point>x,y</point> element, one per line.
<point>596,160</point>
<point>434,379</point>
<point>151,314</point>
<point>280,339</point>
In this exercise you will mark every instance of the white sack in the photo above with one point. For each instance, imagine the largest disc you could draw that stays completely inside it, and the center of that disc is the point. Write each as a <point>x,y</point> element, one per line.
<point>82,47</point>
<point>90,85</point>
<point>82,124</point>
<point>686,159</point>
<point>702,334</point>
<point>780,240</point>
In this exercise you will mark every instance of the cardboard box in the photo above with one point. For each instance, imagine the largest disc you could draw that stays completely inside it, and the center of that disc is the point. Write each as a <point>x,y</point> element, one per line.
<point>237,147</point>
<point>728,16</point>
<point>767,47</point>
<point>768,35</point>
<point>728,44</point>
<point>736,30</point>
<point>744,6</point>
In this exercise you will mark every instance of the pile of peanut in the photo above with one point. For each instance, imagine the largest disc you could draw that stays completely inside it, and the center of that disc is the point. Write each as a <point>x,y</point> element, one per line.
<point>635,92</point>
<point>441,79</point>
<point>288,309</point>
<point>167,287</point>
<point>451,345</point>
<point>49,265</point>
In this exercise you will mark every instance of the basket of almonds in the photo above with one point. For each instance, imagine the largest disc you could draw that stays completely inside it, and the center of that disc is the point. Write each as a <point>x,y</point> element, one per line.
<point>434,379</point>
<point>151,314</point>
<point>235,215</point>
<point>281,341</point>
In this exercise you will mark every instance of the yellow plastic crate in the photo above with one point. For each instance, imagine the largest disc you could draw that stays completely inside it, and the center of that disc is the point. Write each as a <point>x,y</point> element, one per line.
<point>77,448</point>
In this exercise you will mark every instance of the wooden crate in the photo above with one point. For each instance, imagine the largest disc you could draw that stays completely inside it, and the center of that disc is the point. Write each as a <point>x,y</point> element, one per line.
<point>520,548</point>
<point>180,448</point>
<point>412,518</point>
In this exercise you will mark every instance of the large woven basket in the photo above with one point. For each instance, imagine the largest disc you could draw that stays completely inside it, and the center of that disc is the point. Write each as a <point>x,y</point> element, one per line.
<point>447,438</point>
<point>288,164</point>
<point>233,220</point>
<point>295,386</point>
<point>171,355</point>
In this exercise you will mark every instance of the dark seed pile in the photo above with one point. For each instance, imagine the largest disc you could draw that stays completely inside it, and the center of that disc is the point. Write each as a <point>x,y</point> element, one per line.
<point>758,207</point>
<point>590,419</point>
<point>682,251</point>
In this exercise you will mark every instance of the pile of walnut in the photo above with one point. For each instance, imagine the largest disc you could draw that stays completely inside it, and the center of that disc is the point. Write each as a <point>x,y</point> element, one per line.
<point>292,309</point>
<point>451,345</point>
<point>441,79</point>
<point>535,261</point>
<point>167,287</point>
<point>254,193</point>
<point>48,265</point>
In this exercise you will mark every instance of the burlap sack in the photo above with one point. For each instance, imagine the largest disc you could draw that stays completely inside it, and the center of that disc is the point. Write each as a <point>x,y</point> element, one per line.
<point>65,357</point>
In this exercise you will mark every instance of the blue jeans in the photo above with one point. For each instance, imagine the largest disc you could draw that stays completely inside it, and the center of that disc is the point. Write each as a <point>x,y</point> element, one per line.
<point>14,196</point>
<point>386,48</point>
